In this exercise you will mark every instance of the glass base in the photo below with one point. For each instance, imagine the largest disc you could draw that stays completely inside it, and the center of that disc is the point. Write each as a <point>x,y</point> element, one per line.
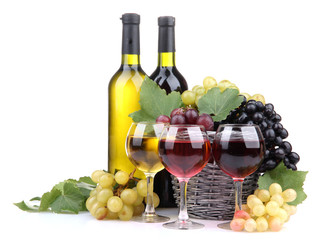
<point>151,218</point>
<point>183,225</point>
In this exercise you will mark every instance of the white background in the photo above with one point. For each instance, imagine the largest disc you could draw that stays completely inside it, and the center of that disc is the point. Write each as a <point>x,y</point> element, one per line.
<point>56,59</point>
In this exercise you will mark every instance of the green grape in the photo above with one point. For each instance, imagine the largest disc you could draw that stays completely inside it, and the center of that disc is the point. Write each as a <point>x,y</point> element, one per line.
<point>138,210</point>
<point>209,82</point>
<point>122,177</point>
<point>106,180</point>
<point>142,188</point>
<point>261,224</point>
<point>188,97</point>
<point>272,208</point>
<point>257,97</point>
<point>114,204</point>
<point>156,200</point>
<point>111,215</point>
<point>139,198</point>
<point>96,175</point>
<point>263,195</point>
<point>104,195</point>
<point>93,192</point>
<point>246,95</point>
<point>278,198</point>
<point>96,206</point>
<point>129,196</point>
<point>224,84</point>
<point>282,214</point>
<point>126,213</point>
<point>275,188</point>
<point>259,210</point>
<point>250,225</point>
<point>252,201</point>
<point>289,195</point>
<point>100,213</point>
<point>200,91</point>
<point>275,223</point>
<point>195,88</point>
<point>90,202</point>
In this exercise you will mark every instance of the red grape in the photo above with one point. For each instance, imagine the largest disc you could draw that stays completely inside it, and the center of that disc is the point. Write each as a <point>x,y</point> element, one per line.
<point>206,120</point>
<point>178,119</point>
<point>177,111</point>
<point>191,116</point>
<point>163,119</point>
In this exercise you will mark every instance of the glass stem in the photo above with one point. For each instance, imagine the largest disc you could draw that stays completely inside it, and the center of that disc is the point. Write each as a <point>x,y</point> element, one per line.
<point>149,209</point>
<point>238,194</point>
<point>183,214</point>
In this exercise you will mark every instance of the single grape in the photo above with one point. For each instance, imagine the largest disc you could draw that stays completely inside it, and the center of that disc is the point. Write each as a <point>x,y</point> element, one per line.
<point>96,175</point>
<point>252,201</point>
<point>277,197</point>
<point>178,119</point>
<point>260,106</point>
<point>263,195</point>
<point>282,214</point>
<point>272,208</point>
<point>290,209</point>
<point>250,108</point>
<point>283,133</point>
<point>270,164</point>
<point>275,188</point>
<point>129,196</point>
<point>261,224</point>
<point>275,223</point>
<point>258,97</point>
<point>142,188</point>
<point>106,180</point>
<point>96,206</point>
<point>191,116</point>
<point>138,210</point>
<point>287,147</point>
<point>206,120</point>
<point>104,195</point>
<point>259,210</point>
<point>237,224</point>
<point>90,202</point>
<point>121,177</point>
<point>277,127</point>
<point>100,213</point>
<point>93,192</point>
<point>176,111</point>
<point>269,134</point>
<point>269,108</point>
<point>111,215</point>
<point>200,91</point>
<point>156,200</point>
<point>279,153</point>
<point>241,214</point>
<point>223,85</point>
<point>139,198</point>
<point>188,97</point>
<point>258,117</point>
<point>114,204</point>
<point>209,82</point>
<point>289,195</point>
<point>250,225</point>
<point>163,119</point>
<point>126,213</point>
<point>293,157</point>
<point>194,89</point>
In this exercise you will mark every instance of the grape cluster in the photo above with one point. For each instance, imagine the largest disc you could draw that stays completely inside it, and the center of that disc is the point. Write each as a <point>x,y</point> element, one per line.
<point>264,115</point>
<point>113,199</point>
<point>187,116</point>
<point>265,209</point>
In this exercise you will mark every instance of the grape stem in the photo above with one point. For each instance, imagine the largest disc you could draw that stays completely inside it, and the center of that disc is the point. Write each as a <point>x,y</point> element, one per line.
<point>119,189</point>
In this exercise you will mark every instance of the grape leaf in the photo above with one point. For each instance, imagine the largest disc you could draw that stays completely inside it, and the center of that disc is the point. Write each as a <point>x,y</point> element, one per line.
<point>48,198</point>
<point>25,207</point>
<point>218,104</point>
<point>287,178</point>
<point>154,102</point>
<point>70,200</point>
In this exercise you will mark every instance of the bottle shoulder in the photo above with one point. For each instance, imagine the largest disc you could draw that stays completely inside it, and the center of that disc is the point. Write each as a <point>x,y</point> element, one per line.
<point>170,79</point>
<point>127,75</point>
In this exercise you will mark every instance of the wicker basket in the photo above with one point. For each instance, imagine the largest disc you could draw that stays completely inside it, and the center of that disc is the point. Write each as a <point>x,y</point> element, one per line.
<point>210,194</point>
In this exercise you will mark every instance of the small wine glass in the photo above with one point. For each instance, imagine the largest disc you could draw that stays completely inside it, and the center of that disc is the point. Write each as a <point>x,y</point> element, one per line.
<point>184,152</point>
<point>142,149</point>
<point>238,150</point>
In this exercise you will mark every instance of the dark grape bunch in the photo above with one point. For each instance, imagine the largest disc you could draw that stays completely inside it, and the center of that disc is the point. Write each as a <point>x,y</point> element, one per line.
<point>277,149</point>
<point>187,116</point>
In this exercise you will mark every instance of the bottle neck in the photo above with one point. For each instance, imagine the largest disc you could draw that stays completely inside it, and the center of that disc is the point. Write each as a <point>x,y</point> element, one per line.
<point>131,59</point>
<point>166,59</point>
<point>131,39</point>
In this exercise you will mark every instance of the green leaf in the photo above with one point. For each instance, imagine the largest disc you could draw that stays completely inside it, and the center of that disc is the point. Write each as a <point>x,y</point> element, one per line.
<point>48,198</point>
<point>24,206</point>
<point>70,200</point>
<point>154,102</point>
<point>87,180</point>
<point>218,104</point>
<point>287,178</point>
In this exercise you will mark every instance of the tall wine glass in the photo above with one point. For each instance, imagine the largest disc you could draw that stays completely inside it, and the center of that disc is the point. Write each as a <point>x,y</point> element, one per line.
<point>184,151</point>
<point>238,151</point>
<point>142,149</point>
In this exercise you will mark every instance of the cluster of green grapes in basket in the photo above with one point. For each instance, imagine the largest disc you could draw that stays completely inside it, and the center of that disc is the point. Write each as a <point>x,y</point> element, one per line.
<point>114,199</point>
<point>265,209</point>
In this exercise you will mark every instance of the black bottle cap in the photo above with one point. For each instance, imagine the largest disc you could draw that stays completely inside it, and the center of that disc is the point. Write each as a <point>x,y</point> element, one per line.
<point>130,18</point>
<point>166,21</point>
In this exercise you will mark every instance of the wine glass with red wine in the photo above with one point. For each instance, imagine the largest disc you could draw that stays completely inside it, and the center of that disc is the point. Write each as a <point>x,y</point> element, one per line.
<point>184,152</point>
<point>238,150</point>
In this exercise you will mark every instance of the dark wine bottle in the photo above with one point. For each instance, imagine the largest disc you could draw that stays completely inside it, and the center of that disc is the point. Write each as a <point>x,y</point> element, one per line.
<point>170,79</point>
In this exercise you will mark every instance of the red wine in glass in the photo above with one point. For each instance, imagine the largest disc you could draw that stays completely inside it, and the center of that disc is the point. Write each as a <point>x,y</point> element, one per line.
<point>184,158</point>
<point>238,158</point>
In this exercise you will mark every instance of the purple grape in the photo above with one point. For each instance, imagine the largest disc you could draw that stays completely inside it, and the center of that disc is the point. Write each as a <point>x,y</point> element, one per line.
<point>206,120</point>
<point>178,119</point>
<point>191,116</point>
<point>163,119</point>
<point>177,111</point>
